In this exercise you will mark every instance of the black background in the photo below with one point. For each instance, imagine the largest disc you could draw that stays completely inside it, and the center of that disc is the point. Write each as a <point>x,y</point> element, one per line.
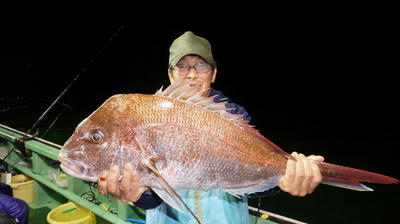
<point>316,81</point>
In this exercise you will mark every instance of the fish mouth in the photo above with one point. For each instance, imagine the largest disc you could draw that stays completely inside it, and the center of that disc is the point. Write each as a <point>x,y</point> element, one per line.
<point>72,173</point>
<point>77,169</point>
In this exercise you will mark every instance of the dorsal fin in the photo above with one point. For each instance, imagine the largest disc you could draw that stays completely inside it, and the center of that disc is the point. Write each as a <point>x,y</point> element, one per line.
<point>184,91</point>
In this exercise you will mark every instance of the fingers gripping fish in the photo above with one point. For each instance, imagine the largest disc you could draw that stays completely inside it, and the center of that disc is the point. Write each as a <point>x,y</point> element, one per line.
<point>178,139</point>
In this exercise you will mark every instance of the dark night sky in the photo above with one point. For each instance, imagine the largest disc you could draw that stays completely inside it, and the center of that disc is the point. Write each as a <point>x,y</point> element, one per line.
<point>319,83</point>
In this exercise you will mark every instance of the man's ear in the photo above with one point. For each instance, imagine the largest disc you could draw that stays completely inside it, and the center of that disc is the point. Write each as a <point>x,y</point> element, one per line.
<point>214,75</point>
<point>171,76</point>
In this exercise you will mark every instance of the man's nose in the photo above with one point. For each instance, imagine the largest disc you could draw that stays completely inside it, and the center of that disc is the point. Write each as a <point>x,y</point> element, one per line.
<point>192,73</point>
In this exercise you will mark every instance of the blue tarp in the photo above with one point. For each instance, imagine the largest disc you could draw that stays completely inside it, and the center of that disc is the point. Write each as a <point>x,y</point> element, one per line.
<point>15,207</point>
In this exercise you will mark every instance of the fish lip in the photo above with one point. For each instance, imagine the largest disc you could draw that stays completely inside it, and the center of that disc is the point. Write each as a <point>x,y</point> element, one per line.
<point>75,170</point>
<point>71,165</point>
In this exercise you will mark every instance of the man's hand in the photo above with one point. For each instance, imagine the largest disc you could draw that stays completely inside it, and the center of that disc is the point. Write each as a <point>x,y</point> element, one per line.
<point>128,191</point>
<point>301,177</point>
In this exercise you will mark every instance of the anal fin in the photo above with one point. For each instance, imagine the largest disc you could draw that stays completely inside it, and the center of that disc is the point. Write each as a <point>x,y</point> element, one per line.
<point>261,187</point>
<point>168,194</point>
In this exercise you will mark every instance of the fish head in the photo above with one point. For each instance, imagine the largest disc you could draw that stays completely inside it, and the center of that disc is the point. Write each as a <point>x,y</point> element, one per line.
<point>95,144</point>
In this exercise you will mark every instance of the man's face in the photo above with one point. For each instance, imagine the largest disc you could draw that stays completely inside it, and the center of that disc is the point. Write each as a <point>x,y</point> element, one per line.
<point>195,69</point>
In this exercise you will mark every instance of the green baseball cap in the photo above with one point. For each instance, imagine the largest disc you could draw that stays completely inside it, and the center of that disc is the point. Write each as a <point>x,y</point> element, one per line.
<point>188,43</point>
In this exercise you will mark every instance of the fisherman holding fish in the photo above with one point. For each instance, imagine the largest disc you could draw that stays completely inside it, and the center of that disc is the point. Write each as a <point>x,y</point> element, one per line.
<point>191,59</point>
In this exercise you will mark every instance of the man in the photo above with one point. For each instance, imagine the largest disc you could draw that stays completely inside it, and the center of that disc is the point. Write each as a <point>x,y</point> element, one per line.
<point>191,58</point>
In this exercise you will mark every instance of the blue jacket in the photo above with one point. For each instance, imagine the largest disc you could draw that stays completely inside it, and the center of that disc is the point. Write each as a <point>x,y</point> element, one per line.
<point>213,206</point>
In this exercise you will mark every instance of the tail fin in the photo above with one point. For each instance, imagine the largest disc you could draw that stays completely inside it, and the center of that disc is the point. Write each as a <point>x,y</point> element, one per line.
<point>350,178</point>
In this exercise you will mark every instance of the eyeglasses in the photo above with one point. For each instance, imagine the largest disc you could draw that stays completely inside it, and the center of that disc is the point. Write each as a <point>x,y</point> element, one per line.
<point>184,69</point>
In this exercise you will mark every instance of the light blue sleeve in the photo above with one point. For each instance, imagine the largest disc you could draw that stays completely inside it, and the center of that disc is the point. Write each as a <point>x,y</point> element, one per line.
<point>213,206</point>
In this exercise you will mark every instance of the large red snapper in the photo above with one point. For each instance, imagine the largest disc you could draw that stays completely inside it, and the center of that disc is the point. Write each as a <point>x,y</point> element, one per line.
<point>178,139</point>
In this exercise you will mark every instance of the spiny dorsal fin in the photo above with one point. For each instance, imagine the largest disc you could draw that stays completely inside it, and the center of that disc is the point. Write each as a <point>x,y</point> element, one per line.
<point>182,90</point>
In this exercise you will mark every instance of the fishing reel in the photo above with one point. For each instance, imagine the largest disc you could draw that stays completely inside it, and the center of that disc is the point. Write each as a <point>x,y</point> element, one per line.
<point>20,148</point>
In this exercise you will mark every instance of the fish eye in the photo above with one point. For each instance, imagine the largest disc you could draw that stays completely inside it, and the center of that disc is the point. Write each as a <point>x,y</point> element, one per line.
<point>96,137</point>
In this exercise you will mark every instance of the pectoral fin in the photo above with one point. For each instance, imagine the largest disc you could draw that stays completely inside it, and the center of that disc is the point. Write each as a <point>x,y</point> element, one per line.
<point>170,199</point>
<point>168,194</point>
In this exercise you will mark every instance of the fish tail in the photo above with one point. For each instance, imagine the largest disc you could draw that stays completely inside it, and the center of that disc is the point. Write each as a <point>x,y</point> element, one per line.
<point>351,178</point>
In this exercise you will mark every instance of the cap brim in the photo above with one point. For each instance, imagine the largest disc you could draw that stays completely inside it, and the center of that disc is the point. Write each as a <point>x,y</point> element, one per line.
<point>179,56</point>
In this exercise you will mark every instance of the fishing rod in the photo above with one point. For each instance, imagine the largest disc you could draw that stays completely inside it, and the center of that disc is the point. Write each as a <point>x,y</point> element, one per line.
<point>53,122</point>
<point>24,138</point>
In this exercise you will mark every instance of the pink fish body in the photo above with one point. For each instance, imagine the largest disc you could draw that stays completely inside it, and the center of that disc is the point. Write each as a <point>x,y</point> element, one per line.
<point>189,141</point>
